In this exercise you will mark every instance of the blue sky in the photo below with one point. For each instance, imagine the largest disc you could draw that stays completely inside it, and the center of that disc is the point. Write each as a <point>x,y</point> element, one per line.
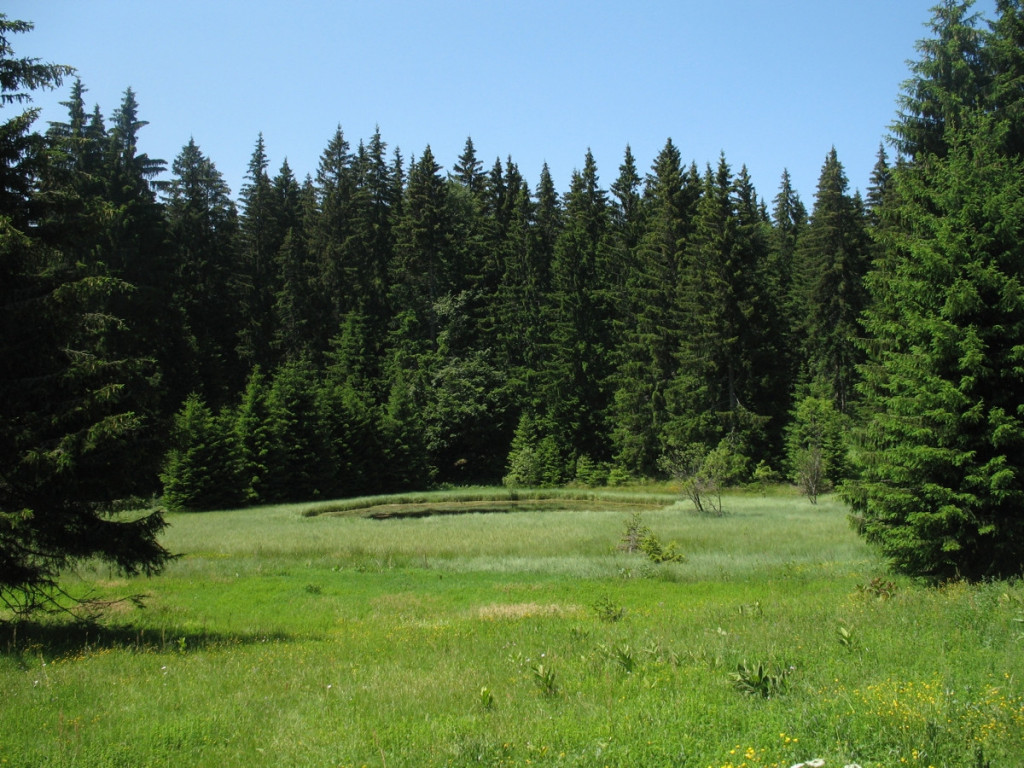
<point>771,84</point>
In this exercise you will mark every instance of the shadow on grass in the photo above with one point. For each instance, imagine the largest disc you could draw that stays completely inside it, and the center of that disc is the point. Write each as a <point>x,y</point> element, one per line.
<point>55,639</point>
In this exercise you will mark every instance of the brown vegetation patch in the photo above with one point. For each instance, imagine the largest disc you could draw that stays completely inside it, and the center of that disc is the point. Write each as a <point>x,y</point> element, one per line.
<point>391,511</point>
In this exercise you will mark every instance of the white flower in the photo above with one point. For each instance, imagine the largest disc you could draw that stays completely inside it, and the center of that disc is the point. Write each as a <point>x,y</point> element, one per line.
<point>816,763</point>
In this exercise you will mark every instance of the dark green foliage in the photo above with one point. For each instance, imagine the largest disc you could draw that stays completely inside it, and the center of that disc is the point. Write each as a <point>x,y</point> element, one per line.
<point>424,267</point>
<point>255,437</point>
<point>728,379</point>
<point>649,317</point>
<point>202,470</point>
<point>72,437</point>
<point>941,452</point>
<point>536,458</point>
<point>816,446</point>
<point>354,450</point>
<point>378,327</point>
<point>256,279</point>
<point>202,228</point>
<point>943,447</point>
<point>948,82</point>
<point>467,424</point>
<point>831,261</point>
<point>402,437</point>
<point>298,327</point>
<point>574,377</point>
<point>1004,57</point>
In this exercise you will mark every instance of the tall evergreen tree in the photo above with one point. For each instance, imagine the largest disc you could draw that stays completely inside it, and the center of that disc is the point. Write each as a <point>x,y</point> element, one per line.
<point>1004,58</point>
<point>766,381</point>
<point>832,258</point>
<point>879,187</point>
<point>348,411</point>
<point>706,388</point>
<point>254,436</point>
<point>948,81</point>
<point>521,294</point>
<point>256,277</point>
<point>789,221</point>
<point>627,222</point>
<point>299,466</point>
<point>202,228</point>
<point>424,270</point>
<point>298,314</point>
<point>342,285</point>
<point>550,219</point>
<point>71,438</point>
<point>941,452</point>
<point>650,321</point>
<point>202,470</point>
<point>575,378</point>
<point>468,170</point>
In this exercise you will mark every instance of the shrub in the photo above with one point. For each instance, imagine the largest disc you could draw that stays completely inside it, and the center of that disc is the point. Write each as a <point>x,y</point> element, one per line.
<point>639,538</point>
<point>704,473</point>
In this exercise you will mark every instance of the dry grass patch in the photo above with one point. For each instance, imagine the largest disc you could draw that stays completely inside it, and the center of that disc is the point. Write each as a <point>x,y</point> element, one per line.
<point>509,611</point>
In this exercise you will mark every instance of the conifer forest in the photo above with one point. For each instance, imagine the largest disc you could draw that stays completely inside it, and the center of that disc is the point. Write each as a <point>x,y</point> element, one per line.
<point>400,322</point>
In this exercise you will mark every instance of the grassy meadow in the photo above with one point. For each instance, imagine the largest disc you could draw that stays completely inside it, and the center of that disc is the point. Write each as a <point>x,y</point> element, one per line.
<point>393,632</point>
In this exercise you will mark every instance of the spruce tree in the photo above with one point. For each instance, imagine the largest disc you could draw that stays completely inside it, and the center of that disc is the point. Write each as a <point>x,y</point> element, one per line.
<point>256,276</point>
<point>202,469</point>
<point>1004,58</point>
<point>948,82</point>
<point>941,451</point>
<point>468,170</point>
<point>375,206</point>
<point>202,228</point>
<point>348,411</point>
<point>832,258</point>
<point>343,280</point>
<point>520,297</point>
<point>706,388</point>
<point>575,379</point>
<point>424,268</point>
<point>649,316</point>
<point>765,376</point>
<point>298,466</point>
<point>72,437</point>
<point>789,221</point>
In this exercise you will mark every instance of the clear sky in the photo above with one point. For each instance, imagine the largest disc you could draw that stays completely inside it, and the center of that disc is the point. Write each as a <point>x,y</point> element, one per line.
<point>771,84</point>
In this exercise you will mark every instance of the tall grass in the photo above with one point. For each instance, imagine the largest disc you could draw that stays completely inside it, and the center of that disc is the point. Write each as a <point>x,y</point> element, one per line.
<point>520,638</point>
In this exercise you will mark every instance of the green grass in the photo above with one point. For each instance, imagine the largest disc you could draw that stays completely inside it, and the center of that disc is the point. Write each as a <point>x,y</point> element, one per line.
<point>317,636</point>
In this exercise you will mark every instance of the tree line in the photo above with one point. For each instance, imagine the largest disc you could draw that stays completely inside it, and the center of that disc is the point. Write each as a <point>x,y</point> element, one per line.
<point>384,324</point>
<point>404,326</point>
